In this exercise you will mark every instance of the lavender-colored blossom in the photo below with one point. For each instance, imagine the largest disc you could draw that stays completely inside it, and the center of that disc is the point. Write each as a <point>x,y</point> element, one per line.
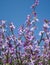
<point>25,49</point>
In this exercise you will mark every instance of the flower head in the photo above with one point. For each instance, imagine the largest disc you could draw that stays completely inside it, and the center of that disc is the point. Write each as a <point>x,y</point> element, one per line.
<point>12,26</point>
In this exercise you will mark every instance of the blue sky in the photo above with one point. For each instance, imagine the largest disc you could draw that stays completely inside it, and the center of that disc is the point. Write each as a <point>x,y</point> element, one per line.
<point>16,11</point>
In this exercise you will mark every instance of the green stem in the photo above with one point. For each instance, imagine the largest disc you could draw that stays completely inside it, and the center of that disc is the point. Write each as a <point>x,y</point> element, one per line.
<point>40,39</point>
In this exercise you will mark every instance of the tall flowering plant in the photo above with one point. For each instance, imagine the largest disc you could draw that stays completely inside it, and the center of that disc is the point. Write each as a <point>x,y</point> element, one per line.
<point>25,49</point>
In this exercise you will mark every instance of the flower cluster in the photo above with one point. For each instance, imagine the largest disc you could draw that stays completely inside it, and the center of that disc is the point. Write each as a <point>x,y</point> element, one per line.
<point>25,49</point>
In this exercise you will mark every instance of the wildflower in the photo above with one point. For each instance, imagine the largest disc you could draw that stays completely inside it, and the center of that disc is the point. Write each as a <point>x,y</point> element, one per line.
<point>46,25</point>
<point>2,24</point>
<point>33,28</point>
<point>33,6</point>
<point>19,41</point>
<point>3,46</point>
<point>36,19</point>
<point>41,32</point>
<point>28,22</point>
<point>25,49</point>
<point>48,33</point>
<point>45,20</point>
<point>12,26</point>
<point>34,13</point>
<point>3,21</point>
<point>30,46</point>
<point>36,2</point>
<point>11,50</point>
<point>28,17</point>
<point>46,41</point>
<point>32,62</point>
<point>32,21</point>
<point>20,30</point>
<point>40,63</point>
